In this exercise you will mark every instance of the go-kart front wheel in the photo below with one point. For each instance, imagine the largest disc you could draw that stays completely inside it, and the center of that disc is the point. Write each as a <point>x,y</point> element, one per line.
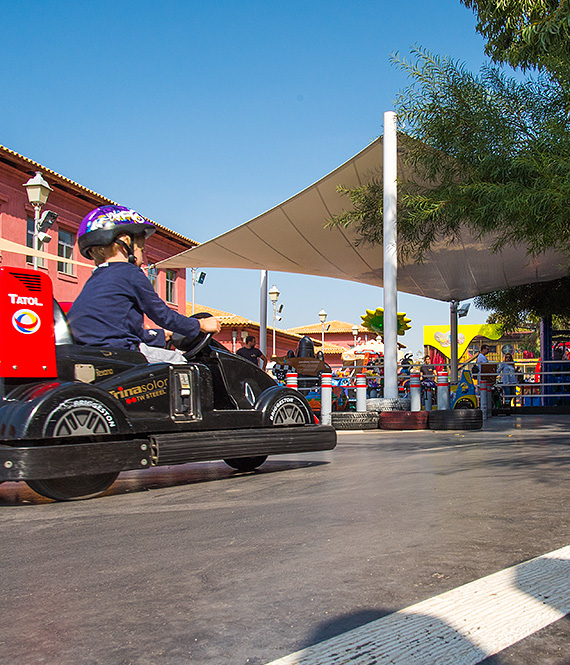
<point>284,407</point>
<point>246,464</point>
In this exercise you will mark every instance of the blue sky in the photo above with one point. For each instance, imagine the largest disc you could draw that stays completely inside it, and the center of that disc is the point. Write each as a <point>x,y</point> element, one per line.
<point>202,115</point>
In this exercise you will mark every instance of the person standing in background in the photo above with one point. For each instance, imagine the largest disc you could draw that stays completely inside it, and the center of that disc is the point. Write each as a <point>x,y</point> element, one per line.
<point>251,352</point>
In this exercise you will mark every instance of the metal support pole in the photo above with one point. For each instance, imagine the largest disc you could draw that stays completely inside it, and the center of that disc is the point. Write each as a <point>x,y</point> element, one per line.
<point>263,313</point>
<point>390,167</point>
<point>35,243</point>
<point>453,338</point>
<point>274,318</point>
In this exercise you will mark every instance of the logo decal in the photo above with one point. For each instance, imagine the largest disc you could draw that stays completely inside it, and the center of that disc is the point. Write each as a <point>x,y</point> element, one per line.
<point>26,321</point>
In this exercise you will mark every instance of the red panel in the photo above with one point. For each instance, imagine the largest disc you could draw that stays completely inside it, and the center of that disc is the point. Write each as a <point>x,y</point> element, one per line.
<point>27,343</point>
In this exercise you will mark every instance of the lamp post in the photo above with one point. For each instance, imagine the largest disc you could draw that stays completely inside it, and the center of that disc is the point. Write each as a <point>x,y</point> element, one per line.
<point>274,296</point>
<point>38,191</point>
<point>355,333</point>
<point>323,318</point>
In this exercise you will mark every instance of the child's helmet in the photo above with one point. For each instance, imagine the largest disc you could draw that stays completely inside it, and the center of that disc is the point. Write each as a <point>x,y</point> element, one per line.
<point>102,225</point>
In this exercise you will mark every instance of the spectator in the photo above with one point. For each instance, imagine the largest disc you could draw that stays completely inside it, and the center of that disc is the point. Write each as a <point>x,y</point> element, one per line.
<point>508,374</point>
<point>251,352</point>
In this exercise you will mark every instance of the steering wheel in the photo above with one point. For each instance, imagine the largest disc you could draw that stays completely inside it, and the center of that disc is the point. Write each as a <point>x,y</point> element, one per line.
<point>192,347</point>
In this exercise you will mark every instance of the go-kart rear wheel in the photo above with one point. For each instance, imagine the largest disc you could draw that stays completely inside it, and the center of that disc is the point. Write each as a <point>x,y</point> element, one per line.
<point>74,488</point>
<point>86,415</point>
<point>245,464</point>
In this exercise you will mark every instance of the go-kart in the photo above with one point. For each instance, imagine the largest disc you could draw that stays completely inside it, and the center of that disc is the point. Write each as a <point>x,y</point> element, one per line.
<point>73,417</point>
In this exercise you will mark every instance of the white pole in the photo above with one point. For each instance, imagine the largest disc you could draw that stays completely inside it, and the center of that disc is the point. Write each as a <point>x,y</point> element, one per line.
<point>326,398</point>
<point>193,287</point>
<point>390,167</point>
<point>453,338</point>
<point>361,393</point>
<point>415,391</point>
<point>274,319</point>
<point>263,313</point>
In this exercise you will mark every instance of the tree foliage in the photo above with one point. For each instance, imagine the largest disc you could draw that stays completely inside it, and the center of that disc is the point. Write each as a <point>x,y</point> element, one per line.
<point>525,33</point>
<point>523,306</point>
<point>489,152</point>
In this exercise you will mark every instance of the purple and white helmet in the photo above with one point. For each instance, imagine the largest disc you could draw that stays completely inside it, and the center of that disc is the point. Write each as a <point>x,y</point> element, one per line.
<point>102,225</point>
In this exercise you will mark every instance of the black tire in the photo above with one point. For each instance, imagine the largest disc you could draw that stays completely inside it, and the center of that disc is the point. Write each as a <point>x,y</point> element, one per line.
<point>246,464</point>
<point>83,413</point>
<point>352,420</point>
<point>284,407</point>
<point>73,488</point>
<point>456,419</point>
<point>400,420</point>
<point>383,404</point>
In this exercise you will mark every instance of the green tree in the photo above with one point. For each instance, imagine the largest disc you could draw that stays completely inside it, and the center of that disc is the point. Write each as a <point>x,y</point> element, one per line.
<point>523,306</point>
<point>525,33</point>
<point>489,152</point>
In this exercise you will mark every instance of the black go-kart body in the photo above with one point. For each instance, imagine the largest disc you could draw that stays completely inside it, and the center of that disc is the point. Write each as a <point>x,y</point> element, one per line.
<point>73,417</point>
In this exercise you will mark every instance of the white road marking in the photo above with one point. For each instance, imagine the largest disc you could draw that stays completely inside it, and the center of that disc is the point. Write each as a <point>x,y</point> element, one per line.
<point>460,627</point>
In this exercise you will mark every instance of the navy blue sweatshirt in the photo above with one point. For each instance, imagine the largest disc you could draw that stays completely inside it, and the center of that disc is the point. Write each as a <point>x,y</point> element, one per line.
<point>109,310</point>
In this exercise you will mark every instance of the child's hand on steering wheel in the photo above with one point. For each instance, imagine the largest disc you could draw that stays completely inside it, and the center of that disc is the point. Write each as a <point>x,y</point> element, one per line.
<point>210,324</point>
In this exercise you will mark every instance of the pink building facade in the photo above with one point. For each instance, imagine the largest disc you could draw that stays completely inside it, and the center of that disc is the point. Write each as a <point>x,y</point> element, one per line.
<point>71,202</point>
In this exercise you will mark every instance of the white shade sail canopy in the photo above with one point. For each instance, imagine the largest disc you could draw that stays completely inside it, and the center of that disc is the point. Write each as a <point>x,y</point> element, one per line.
<point>293,238</point>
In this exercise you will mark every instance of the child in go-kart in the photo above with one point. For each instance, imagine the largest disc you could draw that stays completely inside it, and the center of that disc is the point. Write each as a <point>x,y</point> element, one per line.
<point>109,311</point>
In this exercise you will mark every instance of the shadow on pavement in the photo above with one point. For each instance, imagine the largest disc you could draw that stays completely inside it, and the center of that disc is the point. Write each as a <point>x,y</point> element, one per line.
<point>128,482</point>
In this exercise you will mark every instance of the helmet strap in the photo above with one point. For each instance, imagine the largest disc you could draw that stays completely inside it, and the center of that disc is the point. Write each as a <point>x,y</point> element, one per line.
<point>128,249</point>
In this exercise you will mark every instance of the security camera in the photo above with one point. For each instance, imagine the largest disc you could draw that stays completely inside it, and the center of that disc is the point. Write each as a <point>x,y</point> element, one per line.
<point>462,311</point>
<point>46,221</point>
<point>43,237</point>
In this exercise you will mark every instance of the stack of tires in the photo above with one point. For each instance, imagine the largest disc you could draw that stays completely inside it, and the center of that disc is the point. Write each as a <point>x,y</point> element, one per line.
<point>376,408</point>
<point>354,420</point>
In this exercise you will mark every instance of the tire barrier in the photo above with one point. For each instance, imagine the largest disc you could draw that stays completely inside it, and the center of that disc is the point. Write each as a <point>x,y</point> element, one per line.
<point>388,404</point>
<point>401,420</point>
<point>455,419</point>
<point>354,420</point>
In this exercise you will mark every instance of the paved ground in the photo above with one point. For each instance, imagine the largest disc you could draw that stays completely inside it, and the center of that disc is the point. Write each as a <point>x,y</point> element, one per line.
<point>196,564</point>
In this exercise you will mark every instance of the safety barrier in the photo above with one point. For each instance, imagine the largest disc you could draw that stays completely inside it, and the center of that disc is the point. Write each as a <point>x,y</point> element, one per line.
<point>548,385</point>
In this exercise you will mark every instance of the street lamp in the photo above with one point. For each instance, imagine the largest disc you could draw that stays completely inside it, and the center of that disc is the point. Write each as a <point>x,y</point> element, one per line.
<point>355,332</point>
<point>38,192</point>
<point>323,318</point>
<point>274,296</point>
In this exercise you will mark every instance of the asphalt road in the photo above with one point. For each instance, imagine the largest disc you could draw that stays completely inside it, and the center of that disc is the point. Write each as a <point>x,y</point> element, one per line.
<point>200,565</point>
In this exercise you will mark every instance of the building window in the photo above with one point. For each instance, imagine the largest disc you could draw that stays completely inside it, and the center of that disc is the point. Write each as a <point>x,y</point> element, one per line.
<point>30,226</point>
<point>153,276</point>
<point>170,284</point>
<point>65,242</point>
